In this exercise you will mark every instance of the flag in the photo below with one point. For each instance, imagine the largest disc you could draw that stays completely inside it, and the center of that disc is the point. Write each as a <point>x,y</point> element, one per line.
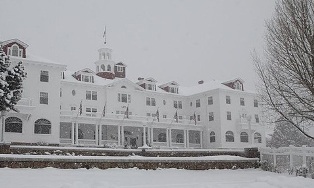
<point>176,116</point>
<point>126,114</point>
<point>157,115</point>
<point>104,36</point>
<point>80,108</point>
<point>104,111</point>
<point>194,117</point>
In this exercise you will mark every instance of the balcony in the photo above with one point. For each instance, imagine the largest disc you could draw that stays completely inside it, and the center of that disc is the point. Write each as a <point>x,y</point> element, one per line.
<point>244,124</point>
<point>25,104</point>
<point>130,117</point>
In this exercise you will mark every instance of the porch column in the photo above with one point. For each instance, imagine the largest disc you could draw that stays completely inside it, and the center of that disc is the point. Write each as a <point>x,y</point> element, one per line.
<point>170,138</point>
<point>152,136</point>
<point>185,137</point>
<point>119,135</point>
<point>76,135</point>
<point>167,136</point>
<point>122,135</point>
<point>96,135</point>
<point>99,134</point>
<point>144,136</point>
<point>72,133</point>
<point>201,138</point>
<point>148,135</point>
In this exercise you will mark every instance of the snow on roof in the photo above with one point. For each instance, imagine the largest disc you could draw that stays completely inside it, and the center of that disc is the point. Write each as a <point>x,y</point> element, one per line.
<point>14,40</point>
<point>206,86</point>
<point>68,76</point>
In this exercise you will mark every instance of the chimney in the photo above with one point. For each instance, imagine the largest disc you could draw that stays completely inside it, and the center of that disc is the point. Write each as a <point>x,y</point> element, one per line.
<point>201,82</point>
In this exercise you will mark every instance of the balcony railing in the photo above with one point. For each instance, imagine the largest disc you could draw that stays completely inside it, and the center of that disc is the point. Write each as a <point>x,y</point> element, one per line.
<point>130,117</point>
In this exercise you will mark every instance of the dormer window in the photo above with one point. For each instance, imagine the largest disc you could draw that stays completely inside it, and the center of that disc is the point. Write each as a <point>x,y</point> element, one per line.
<point>86,78</point>
<point>238,85</point>
<point>173,90</point>
<point>119,69</point>
<point>14,50</point>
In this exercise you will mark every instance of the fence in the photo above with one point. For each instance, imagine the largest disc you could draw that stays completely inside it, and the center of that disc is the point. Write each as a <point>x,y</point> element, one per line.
<point>287,159</point>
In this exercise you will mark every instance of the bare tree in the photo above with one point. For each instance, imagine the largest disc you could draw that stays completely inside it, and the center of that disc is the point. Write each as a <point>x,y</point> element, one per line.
<point>287,71</point>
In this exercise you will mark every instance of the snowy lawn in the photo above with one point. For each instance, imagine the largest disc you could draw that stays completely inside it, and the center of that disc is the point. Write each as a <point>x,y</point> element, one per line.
<point>135,178</point>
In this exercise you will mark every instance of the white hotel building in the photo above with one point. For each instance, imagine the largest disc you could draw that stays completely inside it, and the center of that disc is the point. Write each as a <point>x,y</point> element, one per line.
<point>102,107</point>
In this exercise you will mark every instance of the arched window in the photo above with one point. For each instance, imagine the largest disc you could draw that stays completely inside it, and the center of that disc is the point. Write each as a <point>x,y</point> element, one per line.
<point>244,137</point>
<point>123,87</point>
<point>229,136</point>
<point>108,68</point>
<point>212,137</point>
<point>42,126</point>
<point>15,50</point>
<point>103,67</point>
<point>257,138</point>
<point>13,124</point>
<point>179,138</point>
<point>162,137</point>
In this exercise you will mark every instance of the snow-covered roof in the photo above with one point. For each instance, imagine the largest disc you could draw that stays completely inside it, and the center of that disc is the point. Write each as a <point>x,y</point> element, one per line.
<point>68,76</point>
<point>36,59</point>
<point>14,40</point>
<point>206,86</point>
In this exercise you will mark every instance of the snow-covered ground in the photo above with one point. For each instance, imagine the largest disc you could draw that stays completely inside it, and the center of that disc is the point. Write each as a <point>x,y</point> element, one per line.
<point>135,178</point>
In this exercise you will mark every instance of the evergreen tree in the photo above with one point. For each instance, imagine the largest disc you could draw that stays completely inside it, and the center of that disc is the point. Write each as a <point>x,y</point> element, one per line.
<point>286,134</point>
<point>11,79</point>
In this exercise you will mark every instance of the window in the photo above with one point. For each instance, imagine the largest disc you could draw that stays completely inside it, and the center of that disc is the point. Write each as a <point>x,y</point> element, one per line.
<point>228,115</point>
<point>164,116</point>
<point>164,102</point>
<point>180,104</point>
<point>108,68</point>
<point>103,67</point>
<point>180,117</point>
<point>212,137</point>
<point>238,85</point>
<point>150,101</point>
<point>211,116</point>
<point>198,117</point>
<point>73,108</point>
<point>124,98</point>
<point>15,50</point>
<point>42,126</point>
<point>119,69</point>
<point>73,92</point>
<point>44,76</point>
<point>13,125</point>
<point>123,87</point>
<point>210,101</point>
<point>191,103</point>
<point>162,137</point>
<point>148,114</point>
<point>179,138</point>
<point>149,87</point>
<point>244,137</point>
<point>198,103</point>
<point>175,104</point>
<point>242,101</point>
<point>88,95</point>
<point>173,90</point>
<point>229,136</point>
<point>257,138</point>
<point>255,103</point>
<point>147,101</point>
<point>91,112</point>
<point>256,118</point>
<point>43,98</point>
<point>228,100</point>
<point>86,78</point>
<point>94,95</point>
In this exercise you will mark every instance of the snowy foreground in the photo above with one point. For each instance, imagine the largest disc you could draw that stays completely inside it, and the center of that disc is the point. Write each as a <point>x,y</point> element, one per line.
<point>135,178</point>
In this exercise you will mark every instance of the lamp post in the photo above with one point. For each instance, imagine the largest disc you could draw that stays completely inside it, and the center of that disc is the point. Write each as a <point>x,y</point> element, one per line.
<point>3,113</point>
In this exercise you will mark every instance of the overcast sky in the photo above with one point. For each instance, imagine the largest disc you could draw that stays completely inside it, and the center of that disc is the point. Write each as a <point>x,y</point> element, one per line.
<point>180,40</point>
